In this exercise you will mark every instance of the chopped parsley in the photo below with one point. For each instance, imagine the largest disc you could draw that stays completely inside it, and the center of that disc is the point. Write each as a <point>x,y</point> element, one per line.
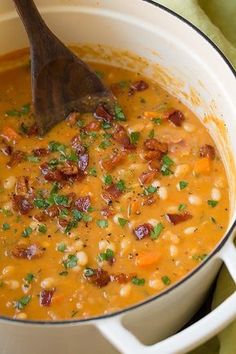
<point>151,134</point>
<point>157,121</point>
<point>88,272</point>
<point>41,203</point>
<point>71,261</point>
<point>182,207</point>
<point>183,185</point>
<point>166,164</point>
<point>105,144</point>
<point>5,226</point>
<point>22,302</point>
<point>61,247</point>
<point>150,190</point>
<point>107,180</point>
<point>138,281</point>
<point>106,125</point>
<point>33,159</point>
<point>106,256</point>
<point>103,224</point>
<point>29,278</point>
<point>166,280</point>
<point>92,172</point>
<point>25,109</point>
<point>55,146</point>
<point>122,222</point>
<point>121,185</point>
<point>212,203</point>
<point>157,231</point>
<point>61,200</point>
<point>42,228</point>
<point>119,114</point>
<point>27,231</point>
<point>134,137</point>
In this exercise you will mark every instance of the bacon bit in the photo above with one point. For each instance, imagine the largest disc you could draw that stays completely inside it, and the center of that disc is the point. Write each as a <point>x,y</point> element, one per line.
<point>101,113</point>
<point>178,218</point>
<point>45,297</point>
<point>122,278</point>
<point>22,204</point>
<point>50,175</point>
<point>151,155</point>
<point>147,177</point>
<point>114,160</point>
<point>143,230</point>
<point>10,135</point>
<point>155,145</point>
<point>176,117</point>
<point>138,86</point>
<point>40,217</point>
<point>69,169</point>
<point>72,118</point>
<point>16,157</point>
<point>92,127</point>
<point>83,161</point>
<point>76,143</point>
<point>120,135</point>
<point>63,223</point>
<point>7,150</point>
<point>154,165</point>
<point>207,151</point>
<point>27,251</point>
<point>100,278</point>
<point>113,191</point>
<point>52,211</point>
<point>22,185</point>
<point>107,212</point>
<point>40,152</point>
<point>83,203</point>
<point>33,130</point>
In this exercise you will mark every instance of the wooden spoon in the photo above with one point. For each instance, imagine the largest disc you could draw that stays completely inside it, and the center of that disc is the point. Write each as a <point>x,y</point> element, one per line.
<point>61,82</point>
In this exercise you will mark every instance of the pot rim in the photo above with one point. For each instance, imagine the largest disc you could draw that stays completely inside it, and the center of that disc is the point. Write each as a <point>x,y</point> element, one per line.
<point>195,270</point>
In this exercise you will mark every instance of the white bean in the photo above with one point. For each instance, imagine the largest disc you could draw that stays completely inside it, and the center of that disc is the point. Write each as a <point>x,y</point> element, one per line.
<point>8,270</point>
<point>194,200</point>
<point>48,283</point>
<point>181,170</point>
<point>9,182</point>
<point>156,284</point>
<point>163,193</point>
<point>215,194</point>
<point>12,284</point>
<point>156,183</point>
<point>82,258</point>
<point>153,222</point>
<point>188,127</point>
<point>125,244</point>
<point>125,290</point>
<point>190,230</point>
<point>20,316</point>
<point>173,250</point>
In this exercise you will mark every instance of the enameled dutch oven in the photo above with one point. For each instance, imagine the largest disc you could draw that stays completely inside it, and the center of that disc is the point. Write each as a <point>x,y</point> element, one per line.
<point>203,79</point>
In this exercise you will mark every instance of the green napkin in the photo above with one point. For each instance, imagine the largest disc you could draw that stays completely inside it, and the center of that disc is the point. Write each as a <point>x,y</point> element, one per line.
<point>217,19</point>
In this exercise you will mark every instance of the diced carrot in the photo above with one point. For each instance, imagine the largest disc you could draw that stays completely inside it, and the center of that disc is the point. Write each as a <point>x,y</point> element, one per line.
<point>134,207</point>
<point>10,134</point>
<point>58,298</point>
<point>202,166</point>
<point>147,258</point>
<point>150,114</point>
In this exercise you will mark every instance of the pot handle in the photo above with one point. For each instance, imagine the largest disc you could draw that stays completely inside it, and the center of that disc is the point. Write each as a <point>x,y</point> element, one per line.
<point>186,340</point>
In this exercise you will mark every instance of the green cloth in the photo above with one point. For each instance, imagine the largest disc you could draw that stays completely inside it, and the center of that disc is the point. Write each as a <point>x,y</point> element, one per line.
<point>217,19</point>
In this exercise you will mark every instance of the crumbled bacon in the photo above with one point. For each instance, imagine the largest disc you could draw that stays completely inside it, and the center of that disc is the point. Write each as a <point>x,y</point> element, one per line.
<point>153,155</point>
<point>69,169</point>
<point>147,177</point>
<point>22,185</point>
<point>154,165</point>
<point>113,192</point>
<point>122,278</point>
<point>45,297</point>
<point>176,117</point>
<point>40,217</point>
<point>150,199</point>
<point>33,130</point>
<point>83,203</point>
<point>121,136</point>
<point>76,144</point>
<point>63,223</point>
<point>72,118</point>
<point>40,152</point>
<point>22,204</point>
<point>92,126</point>
<point>16,157</point>
<point>102,113</point>
<point>143,230</point>
<point>207,151</point>
<point>107,212</point>
<point>83,161</point>
<point>49,174</point>
<point>138,86</point>
<point>155,145</point>
<point>27,251</point>
<point>178,218</point>
<point>52,211</point>
<point>114,160</point>
<point>100,277</point>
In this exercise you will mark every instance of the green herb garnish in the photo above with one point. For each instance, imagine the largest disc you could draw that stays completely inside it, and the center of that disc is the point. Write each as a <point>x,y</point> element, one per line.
<point>157,231</point>
<point>92,172</point>
<point>138,281</point>
<point>22,302</point>
<point>166,280</point>
<point>27,231</point>
<point>212,203</point>
<point>107,180</point>
<point>119,114</point>
<point>134,137</point>
<point>42,228</point>
<point>122,222</point>
<point>61,247</point>
<point>106,256</point>
<point>166,164</point>
<point>5,226</point>
<point>71,261</point>
<point>103,224</point>
<point>183,185</point>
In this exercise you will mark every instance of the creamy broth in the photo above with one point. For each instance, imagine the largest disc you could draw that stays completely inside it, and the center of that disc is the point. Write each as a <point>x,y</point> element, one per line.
<point>108,208</point>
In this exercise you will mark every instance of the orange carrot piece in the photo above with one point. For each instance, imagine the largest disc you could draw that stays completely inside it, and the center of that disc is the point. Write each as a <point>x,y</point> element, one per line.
<point>202,166</point>
<point>150,114</point>
<point>9,134</point>
<point>147,258</point>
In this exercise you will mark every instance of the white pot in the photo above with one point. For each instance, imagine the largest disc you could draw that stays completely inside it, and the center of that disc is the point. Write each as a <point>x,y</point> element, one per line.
<point>193,63</point>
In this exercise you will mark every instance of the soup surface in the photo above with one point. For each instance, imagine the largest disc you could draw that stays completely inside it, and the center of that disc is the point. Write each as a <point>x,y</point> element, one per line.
<point>108,208</point>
